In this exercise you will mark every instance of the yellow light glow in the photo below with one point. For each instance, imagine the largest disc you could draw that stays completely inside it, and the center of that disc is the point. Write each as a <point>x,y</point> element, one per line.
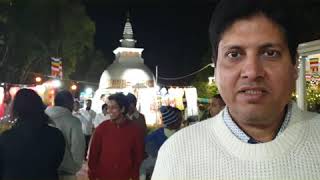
<point>74,87</point>
<point>40,89</point>
<point>38,79</point>
<point>135,76</point>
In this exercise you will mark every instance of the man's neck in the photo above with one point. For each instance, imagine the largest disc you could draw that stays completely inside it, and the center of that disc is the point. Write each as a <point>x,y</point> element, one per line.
<point>119,120</point>
<point>130,113</point>
<point>262,132</point>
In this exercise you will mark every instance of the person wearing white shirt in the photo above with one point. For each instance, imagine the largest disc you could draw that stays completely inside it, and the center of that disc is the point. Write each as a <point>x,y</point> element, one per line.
<point>87,124</point>
<point>101,116</point>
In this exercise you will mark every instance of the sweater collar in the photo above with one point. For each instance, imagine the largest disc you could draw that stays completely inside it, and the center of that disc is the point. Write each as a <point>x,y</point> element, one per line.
<point>284,143</point>
<point>240,134</point>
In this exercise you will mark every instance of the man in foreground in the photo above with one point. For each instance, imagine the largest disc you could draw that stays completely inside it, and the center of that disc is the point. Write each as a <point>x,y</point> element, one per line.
<point>260,134</point>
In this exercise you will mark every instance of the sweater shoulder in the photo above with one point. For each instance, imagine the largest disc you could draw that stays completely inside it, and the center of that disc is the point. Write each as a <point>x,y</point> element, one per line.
<point>313,120</point>
<point>104,125</point>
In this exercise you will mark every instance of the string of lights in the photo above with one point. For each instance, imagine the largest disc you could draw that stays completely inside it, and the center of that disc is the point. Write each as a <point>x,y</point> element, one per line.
<point>63,79</point>
<point>185,76</point>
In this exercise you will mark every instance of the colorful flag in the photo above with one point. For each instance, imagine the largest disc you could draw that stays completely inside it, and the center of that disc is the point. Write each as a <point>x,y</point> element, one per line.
<point>56,67</point>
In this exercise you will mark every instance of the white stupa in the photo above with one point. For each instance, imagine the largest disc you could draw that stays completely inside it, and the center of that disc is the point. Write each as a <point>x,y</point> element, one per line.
<point>128,72</point>
<point>128,68</point>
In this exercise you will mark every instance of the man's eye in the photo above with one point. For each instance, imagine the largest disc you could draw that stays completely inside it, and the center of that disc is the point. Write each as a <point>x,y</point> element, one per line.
<point>271,53</point>
<point>233,55</point>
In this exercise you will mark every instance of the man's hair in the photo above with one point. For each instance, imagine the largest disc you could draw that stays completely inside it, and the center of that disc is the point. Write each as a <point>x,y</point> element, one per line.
<point>228,12</point>
<point>89,100</point>
<point>64,99</point>
<point>102,96</point>
<point>121,100</point>
<point>132,99</point>
<point>104,106</point>
<point>221,101</point>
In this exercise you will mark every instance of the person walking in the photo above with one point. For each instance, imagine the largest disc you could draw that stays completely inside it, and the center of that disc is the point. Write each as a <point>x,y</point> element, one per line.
<point>70,126</point>
<point>31,149</point>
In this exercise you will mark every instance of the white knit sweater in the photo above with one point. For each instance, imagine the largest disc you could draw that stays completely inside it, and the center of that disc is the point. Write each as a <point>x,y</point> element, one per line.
<point>208,150</point>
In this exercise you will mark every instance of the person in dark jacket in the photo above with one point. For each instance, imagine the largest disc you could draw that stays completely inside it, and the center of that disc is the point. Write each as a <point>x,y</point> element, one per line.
<point>171,120</point>
<point>31,150</point>
<point>134,115</point>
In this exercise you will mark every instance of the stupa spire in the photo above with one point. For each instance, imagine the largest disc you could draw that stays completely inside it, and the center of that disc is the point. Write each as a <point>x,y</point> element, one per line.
<point>128,40</point>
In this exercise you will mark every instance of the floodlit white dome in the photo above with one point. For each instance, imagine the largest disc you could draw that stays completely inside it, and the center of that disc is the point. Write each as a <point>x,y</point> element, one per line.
<point>132,74</point>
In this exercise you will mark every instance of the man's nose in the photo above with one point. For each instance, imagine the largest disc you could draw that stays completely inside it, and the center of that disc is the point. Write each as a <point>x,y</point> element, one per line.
<point>252,68</point>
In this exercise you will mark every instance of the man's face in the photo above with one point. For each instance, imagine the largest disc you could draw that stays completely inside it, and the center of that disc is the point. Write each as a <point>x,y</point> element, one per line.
<point>105,110</point>
<point>132,108</point>
<point>88,104</point>
<point>254,72</point>
<point>76,106</point>
<point>114,110</point>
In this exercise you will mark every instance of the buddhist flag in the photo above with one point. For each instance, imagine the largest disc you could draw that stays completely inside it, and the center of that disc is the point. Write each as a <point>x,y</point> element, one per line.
<point>56,67</point>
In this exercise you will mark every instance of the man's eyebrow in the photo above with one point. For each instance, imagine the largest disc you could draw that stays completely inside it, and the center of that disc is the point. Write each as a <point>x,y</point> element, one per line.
<point>268,45</point>
<point>262,46</point>
<point>226,47</point>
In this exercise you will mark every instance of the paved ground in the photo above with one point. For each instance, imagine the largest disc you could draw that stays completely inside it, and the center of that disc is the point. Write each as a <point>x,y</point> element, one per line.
<point>83,173</point>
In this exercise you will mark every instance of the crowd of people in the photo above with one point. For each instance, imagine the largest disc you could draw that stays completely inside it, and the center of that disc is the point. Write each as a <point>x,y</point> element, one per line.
<point>252,129</point>
<point>54,142</point>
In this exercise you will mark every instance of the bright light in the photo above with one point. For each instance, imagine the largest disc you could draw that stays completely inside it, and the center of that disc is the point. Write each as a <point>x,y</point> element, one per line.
<point>1,95</point>
<point>13,91</point>
<point>135,76</point>
<point>74,87</point>
<point>157,88</point>
<point>211,80</point>
<point>38,79</point>
<point>56,83</point>
<point>163,91</point>
<point>89,91</point>
<point>40,89</point>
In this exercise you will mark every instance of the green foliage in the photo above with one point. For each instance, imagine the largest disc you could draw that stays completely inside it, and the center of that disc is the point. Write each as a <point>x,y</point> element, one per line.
<point>205,90</point>
<point>37,30</point>
<point>90,66</point>
<point>201,80</point>
<point>313,96</point>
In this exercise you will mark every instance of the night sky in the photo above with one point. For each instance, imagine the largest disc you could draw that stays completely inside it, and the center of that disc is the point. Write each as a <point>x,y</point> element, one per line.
<point>174,37</point>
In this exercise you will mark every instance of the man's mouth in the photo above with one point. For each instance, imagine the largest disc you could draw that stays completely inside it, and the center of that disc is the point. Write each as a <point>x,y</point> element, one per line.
<point>253,92</point>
